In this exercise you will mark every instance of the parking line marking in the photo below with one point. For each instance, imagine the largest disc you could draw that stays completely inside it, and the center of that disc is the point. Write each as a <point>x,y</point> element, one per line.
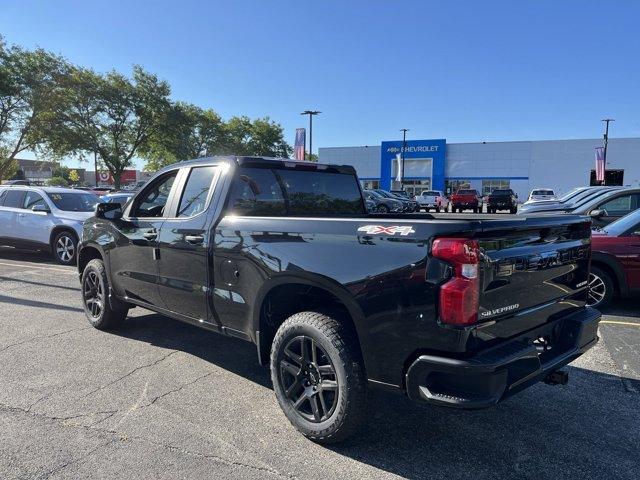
<point>615,322</point>
<point>36,266</point>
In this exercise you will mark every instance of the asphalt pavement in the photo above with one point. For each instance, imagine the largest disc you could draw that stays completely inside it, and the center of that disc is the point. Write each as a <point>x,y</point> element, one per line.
<point>161,399</point>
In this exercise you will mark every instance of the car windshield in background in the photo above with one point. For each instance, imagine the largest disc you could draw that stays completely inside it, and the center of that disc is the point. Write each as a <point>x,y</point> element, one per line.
<point>542,192</point>
<point>74,202</point>
<point>466,192</point>
<point>624,225</point>
<point>259,191</point>
<point>501,192</point>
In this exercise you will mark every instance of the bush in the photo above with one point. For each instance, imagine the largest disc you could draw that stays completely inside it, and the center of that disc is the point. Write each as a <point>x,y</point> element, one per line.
<point>57,182</point>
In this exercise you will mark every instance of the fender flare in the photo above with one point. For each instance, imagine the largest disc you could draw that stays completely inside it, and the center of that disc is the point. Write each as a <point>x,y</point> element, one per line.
<point>615,266</point>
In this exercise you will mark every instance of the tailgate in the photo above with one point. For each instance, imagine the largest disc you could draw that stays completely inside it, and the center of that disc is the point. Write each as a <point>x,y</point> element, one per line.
<point>532,272</point>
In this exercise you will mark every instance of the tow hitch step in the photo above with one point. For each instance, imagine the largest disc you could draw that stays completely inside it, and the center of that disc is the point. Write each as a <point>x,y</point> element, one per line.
<point>559,377</point>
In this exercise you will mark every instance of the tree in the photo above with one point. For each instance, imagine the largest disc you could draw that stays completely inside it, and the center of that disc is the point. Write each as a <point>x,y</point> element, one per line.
<point>57,182</point>
<point>74,177</point>
<point>188,132</point>
<point>111,115</point>
<point>261,137</point>
<point>26,80</point>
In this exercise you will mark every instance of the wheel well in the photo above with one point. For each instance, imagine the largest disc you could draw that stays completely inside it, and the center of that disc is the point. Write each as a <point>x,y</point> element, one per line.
<point>59,229</point>
<point>285,300</point>
<point>86,255</point>
<point>609,271</point>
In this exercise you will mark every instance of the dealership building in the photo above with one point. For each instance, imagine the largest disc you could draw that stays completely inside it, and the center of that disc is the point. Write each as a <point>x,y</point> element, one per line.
<point>521,166</point>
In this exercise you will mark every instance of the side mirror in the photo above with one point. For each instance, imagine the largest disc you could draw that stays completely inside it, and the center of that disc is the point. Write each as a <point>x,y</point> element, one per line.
<point>39,207</point>
<point>597,213</point>
<point>109,211</point>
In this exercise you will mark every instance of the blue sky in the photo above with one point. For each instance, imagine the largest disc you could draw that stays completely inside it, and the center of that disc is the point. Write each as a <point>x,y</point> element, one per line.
<point>466,71</point>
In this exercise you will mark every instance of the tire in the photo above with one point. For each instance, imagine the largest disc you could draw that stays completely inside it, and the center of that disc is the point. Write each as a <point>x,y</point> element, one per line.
<point>475,210</point>
<point>437,209</point>
<point>382,208</point>
<point>513,210</point>
<point>65,247</point>
<point>103,311</point>
<point>323,415</point>
<point>600,288</point>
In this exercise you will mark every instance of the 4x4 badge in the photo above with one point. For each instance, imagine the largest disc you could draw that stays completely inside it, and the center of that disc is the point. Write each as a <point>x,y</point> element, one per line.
<point>390,230</point>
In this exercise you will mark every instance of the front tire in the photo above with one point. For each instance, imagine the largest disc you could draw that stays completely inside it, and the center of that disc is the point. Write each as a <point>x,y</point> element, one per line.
<point>318,377</point>
<point>65,247</point>
<point>103,311</point>
<point>600,288</point>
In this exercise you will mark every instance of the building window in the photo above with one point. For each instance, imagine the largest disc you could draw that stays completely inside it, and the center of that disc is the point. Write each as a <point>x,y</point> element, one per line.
<point>452,186</point>
<point>489,185</point>
<point>370,184</point>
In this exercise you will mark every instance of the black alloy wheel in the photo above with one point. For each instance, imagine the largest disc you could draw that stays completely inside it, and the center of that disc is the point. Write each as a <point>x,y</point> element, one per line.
<point>93,294</point>
<point>309,379</point>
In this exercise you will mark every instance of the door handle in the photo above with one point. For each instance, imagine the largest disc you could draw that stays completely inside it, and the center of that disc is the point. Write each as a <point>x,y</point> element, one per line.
<point>194,239</point>
<point>150,235</point>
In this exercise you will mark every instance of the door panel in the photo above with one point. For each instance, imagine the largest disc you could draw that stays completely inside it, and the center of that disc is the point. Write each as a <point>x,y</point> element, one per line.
<point>12,202</point>
<point>36,226</point>
<point>134,264</point>
<point>183,245</point>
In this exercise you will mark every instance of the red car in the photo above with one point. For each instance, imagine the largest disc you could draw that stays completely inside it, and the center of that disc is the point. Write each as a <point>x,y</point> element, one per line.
<point>465,199</point>
<point>615,261</point>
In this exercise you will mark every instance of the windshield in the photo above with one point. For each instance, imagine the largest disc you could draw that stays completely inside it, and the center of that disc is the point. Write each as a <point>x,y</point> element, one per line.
<point>74,202</point>
<point>542,192</point>
<point>466,192</point>
<point>383,193</point>
<point>624,224</point>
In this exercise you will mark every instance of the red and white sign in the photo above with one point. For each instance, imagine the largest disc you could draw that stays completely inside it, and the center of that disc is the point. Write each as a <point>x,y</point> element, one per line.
<point>600,166</point>
<point>128,176</point>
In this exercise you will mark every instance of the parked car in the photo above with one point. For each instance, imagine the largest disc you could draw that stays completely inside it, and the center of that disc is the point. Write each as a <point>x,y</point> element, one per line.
<point>615,261</point>
<point>283,254</point>
<point>117,197</point>
<point>569,201</point>
<point>502,199</point>
<point>9,183</point>
<point>400,193</point>
<point>409,204</point>
<point>433,199</point>
<point>606,206</point>
<point>466,199</point>
<point>540,194</point>
<point>45,218</point>
<point>384,204</point>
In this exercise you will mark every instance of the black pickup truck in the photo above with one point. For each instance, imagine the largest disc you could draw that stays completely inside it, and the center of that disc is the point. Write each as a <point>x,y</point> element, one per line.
<point>452,310</point>
<point>504,199</point>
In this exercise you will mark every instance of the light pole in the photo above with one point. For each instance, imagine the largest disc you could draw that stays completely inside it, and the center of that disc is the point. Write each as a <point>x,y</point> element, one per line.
<point>606,142</point>
<point>311,113</point>
<point>404,148</point>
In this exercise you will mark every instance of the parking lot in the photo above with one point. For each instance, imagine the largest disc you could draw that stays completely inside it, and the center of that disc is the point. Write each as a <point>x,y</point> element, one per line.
<point>161,399</point>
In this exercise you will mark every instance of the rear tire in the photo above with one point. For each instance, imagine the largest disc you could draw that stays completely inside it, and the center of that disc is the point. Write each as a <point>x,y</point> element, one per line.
<point>437,209</point>
<point>513,210</point>
<point>318,377</point>
<point>103,311</point>
<point>600,288</point>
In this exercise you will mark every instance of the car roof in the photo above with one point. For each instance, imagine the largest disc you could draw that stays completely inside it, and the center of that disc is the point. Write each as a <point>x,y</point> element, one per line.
<point>47,189</point>
<point>604,197</point>
<point>258,162</point>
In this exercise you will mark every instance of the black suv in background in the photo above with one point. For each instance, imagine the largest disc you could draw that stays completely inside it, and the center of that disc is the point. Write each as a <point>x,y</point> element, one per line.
<point>502,199</point>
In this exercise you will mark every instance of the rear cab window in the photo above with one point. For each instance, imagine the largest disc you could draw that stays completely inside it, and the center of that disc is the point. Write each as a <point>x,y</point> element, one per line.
<point>260,191</point>
<point>467,192</point>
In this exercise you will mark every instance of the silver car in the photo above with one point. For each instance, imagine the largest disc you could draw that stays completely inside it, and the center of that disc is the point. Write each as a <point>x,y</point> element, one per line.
<point>45,218</point>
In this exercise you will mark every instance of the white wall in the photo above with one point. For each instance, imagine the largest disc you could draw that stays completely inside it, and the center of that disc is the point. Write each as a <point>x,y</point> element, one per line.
<point>366,160</point>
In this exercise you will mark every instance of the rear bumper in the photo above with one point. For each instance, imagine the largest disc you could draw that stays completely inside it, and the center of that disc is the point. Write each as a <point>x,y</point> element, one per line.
<point>499,372</point>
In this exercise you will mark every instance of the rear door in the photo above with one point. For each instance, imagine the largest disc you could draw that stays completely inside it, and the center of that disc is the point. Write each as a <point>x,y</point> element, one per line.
<point>134,262</point>
<point>183,241</point>
<point>12,201</point>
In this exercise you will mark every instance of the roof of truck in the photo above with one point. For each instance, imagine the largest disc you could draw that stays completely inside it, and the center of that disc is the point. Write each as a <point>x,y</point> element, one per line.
<point>263,162</point>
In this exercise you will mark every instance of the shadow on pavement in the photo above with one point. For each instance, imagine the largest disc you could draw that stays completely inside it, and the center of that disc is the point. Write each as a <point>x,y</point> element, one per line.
<point>38,256</point>
<point>587,427</point>
<point>623,307</point>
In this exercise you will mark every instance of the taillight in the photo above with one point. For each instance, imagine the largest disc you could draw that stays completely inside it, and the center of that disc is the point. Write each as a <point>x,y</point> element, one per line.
<point>459,297</point>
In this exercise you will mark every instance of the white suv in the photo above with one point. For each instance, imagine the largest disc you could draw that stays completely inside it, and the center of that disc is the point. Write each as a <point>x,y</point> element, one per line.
<point>45,218</point>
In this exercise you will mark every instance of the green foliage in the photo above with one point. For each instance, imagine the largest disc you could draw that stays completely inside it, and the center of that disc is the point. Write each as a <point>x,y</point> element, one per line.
<point>58,182</point>
<point>27,78</point>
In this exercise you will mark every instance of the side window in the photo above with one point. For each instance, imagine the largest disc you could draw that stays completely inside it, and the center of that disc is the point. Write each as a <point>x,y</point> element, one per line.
<point>620,206</point>
<point>153,199</point>
<point>13,198</point>
<point>3,194</point>
<point>31,199</point>
<point>196,191</point>
<point>256,191</point>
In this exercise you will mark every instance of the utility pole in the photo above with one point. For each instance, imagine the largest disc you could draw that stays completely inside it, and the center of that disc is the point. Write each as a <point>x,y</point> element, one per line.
<point>606,142</point>
<point>404,148</point>
<point>311,113</point>
<point>95,166</point>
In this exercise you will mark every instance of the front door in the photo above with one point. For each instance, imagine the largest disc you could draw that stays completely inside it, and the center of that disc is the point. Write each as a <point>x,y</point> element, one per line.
<point>34,226</point>
<point>183,245</point>
<point>616,208</point>
<point>134,264</point>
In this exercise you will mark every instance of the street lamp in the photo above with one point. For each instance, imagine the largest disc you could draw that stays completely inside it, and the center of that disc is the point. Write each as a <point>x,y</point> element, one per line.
<point>311,113</point>
<point>404,148</point>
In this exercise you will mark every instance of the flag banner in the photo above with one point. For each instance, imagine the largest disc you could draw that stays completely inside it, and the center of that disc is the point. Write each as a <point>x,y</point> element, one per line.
<point>600,167</point>
<point>399,169</point>
<point>300,143</point>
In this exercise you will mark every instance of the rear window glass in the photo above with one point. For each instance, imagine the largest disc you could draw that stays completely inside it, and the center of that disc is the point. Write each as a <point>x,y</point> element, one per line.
<point>263,192</point>
<point>543,192</point>
<point>13,198</point>
<point>431,194</point>
<point>196,191</point>
<point>502,192</point>
<point>467,192</point>
<point>74,202</point>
